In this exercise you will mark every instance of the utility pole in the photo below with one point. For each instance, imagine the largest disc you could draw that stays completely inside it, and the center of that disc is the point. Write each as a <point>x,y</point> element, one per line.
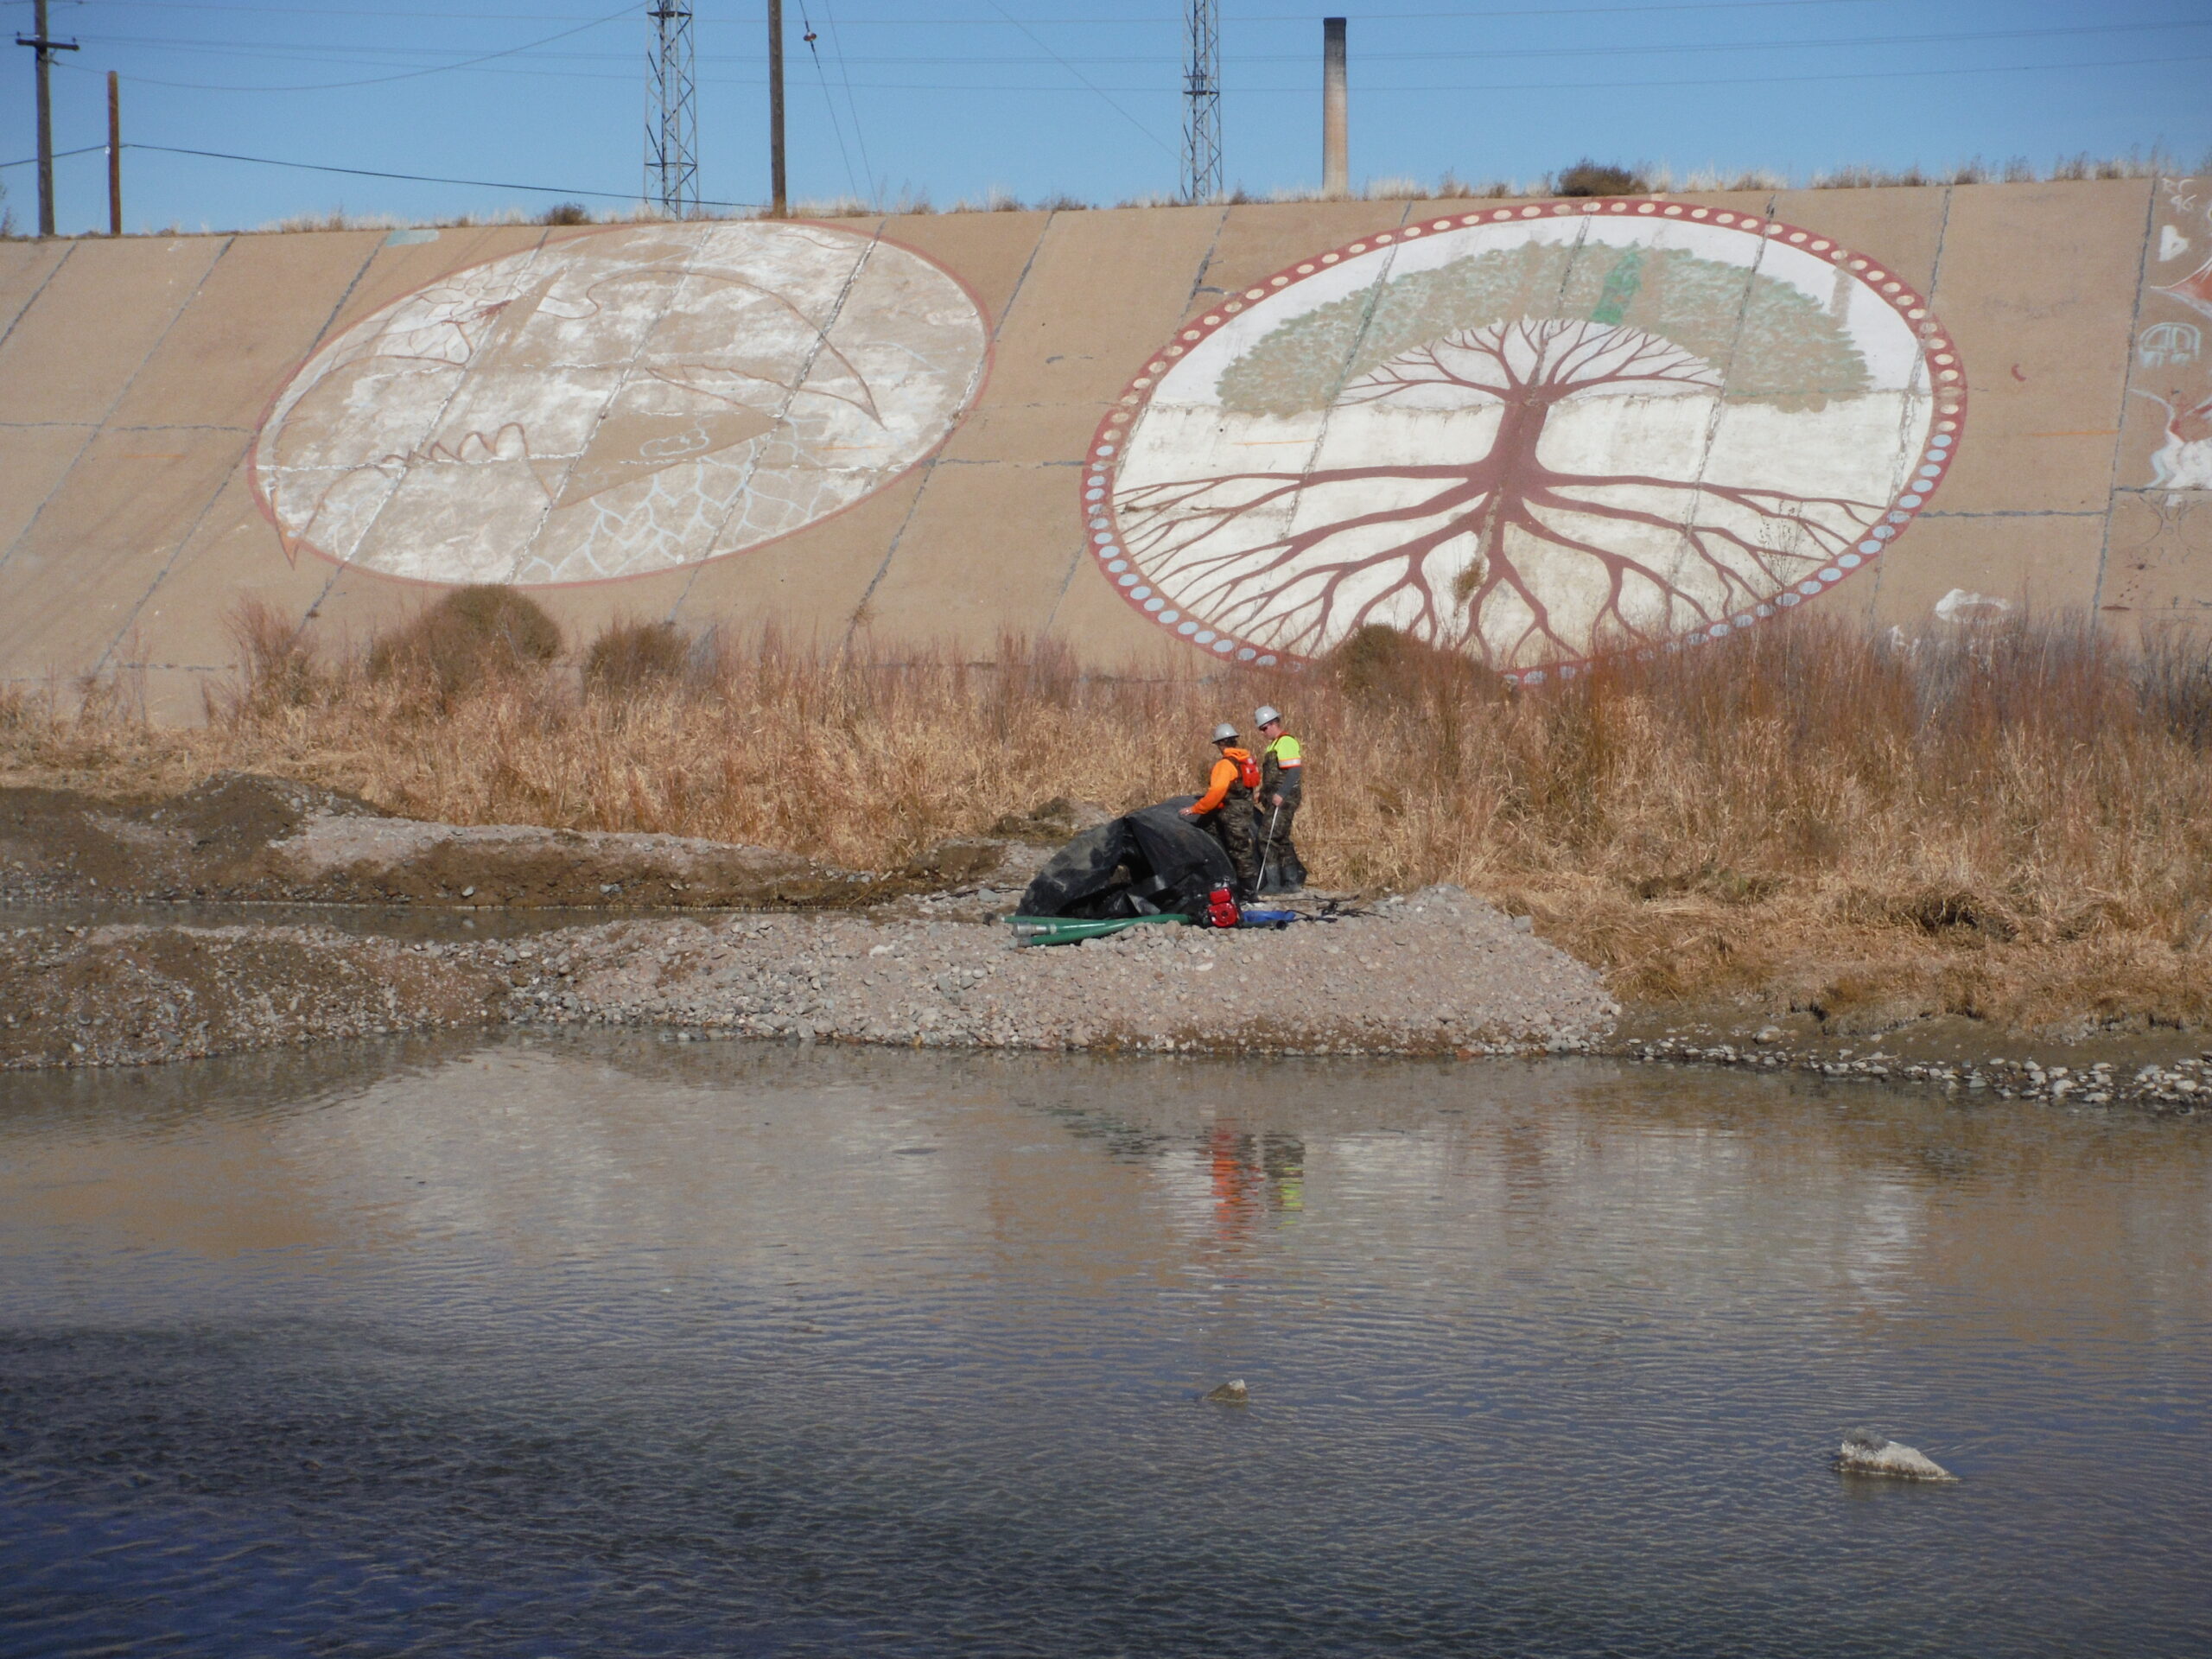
<point>45,48</point>
<point>1335,169</point>
<point>776,191</point>
<point>114,155</point>
<point>1202,93</point>
<point>671,123</point>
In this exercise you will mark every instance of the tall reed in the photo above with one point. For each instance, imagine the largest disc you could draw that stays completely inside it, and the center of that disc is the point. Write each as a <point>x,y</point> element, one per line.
<point>1765,818</point>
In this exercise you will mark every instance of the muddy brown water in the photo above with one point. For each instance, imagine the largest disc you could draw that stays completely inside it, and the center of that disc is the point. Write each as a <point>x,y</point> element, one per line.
<point>607,1345</point>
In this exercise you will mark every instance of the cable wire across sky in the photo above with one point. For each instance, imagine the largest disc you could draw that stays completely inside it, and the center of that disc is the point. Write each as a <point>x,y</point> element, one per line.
<point>437,105</point>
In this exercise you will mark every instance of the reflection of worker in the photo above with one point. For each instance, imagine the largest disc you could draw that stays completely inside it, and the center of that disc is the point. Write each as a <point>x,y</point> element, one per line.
<point>1282,786</point>
<point>1226,807</point>
<point>1283,1157</point>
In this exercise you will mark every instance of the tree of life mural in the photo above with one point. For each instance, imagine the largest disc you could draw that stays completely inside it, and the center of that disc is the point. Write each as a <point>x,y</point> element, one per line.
<point>620,403</point>
<point>1533,435</point>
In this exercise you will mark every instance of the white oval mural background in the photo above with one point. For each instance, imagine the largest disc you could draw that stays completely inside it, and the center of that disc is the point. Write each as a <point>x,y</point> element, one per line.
<point>1534,434</point>
<point>620,403</point>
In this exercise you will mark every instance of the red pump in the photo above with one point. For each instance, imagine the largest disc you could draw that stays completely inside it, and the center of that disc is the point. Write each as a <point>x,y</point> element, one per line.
<point>1221,908</point>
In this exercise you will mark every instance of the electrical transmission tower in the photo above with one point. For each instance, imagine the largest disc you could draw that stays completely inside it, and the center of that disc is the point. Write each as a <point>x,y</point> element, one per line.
<point>1202,96</point>
<point>672,124</point>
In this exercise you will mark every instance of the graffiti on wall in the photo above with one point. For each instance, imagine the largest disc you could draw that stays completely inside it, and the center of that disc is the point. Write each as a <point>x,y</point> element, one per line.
<point>2170,349</point>
<point>619,404</point>
<point>1534,434</point>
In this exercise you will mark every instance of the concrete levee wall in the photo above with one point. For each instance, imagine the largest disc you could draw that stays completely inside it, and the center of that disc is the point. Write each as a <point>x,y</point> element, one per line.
<point>1535,430</point>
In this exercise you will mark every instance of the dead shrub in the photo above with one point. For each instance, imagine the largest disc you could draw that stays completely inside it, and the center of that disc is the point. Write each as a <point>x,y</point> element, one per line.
<point>566,212</point>
<point>1380,663</point>
<point>471,635</point>
<point>1589,178</point>
<point>629,657</point>
<point>279,669</point>
<point>1933,910</point>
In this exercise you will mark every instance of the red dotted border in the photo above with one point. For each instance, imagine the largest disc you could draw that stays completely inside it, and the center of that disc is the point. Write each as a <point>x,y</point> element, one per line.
<point>1947,378</point>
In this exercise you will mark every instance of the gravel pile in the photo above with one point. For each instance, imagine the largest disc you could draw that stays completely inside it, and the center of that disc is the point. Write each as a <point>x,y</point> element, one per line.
<point>126,995</point>
<point>1437,972</point>
<point>1434,972</point>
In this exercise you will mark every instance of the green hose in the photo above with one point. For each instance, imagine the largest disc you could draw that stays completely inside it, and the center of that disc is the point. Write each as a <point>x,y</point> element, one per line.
<point>1069,930</point>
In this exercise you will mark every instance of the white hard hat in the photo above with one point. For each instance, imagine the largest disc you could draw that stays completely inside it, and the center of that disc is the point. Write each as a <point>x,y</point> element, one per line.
<point>1264,713</point>
<point>1224,732</point>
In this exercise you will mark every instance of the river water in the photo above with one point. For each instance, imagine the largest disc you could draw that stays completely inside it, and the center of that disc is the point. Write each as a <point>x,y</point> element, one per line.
<point>601,1346</point>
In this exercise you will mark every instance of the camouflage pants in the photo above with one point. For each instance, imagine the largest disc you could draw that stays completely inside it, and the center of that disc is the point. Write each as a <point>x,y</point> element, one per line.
<point>1283,870</point>
<point>1233,826</point>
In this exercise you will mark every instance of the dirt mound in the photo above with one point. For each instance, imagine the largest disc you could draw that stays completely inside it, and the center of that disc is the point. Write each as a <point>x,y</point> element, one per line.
<point>1062,818</point>
<point>129,995</point>
<point>243,836</point>
<point>353,860</point>
<point>238,813</point>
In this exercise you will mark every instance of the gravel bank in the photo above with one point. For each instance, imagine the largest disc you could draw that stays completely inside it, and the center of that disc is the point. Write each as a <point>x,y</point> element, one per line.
<point>128,995</point>
<point>1436,972</point>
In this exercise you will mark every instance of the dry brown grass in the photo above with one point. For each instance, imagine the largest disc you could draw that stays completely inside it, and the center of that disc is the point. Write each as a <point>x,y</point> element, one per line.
<point>2009,824</point>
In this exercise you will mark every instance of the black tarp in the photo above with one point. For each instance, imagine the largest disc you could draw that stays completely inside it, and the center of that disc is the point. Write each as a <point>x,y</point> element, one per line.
<point>1152,861</point>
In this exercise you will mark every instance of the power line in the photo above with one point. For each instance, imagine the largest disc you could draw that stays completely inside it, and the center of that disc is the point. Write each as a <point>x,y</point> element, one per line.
<point>58,155</point>
<point>333,85</point>
<point>829,103</point>
<point>377,173</point>
<point>1454,88</point>
<point>1003,19</point>
<point>845,74</point>
<point>1084,78</point>
<point>1578,50</point>
<point>971,89</point>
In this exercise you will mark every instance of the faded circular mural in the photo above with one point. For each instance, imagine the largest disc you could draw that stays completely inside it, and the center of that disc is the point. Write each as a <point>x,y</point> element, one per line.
<point>1534,434</point>
<point>619,403</point>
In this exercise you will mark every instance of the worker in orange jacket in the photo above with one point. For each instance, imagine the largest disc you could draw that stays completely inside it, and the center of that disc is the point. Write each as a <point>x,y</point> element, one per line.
<point>1226,807</point>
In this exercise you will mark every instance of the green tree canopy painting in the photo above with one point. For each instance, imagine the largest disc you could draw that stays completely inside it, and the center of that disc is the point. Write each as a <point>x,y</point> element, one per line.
<point>1776,344</point>
<point>1478,535</point>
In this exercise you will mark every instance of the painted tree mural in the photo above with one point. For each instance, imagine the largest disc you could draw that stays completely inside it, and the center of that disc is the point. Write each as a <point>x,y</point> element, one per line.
<point>1543,442</point>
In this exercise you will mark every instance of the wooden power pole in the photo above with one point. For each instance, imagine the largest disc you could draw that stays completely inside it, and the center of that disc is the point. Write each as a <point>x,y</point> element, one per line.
<point>45,48</point>
<point>114,155</point>
<point>781,205</point>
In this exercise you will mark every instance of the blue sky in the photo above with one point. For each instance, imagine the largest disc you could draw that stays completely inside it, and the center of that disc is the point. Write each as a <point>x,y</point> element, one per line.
<point>953,99</point>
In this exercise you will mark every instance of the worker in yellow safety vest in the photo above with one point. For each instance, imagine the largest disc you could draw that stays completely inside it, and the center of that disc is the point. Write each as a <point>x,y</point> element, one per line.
<point>1282,784</point>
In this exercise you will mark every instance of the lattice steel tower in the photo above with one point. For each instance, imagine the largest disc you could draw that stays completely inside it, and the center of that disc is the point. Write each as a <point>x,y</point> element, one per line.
<point>1202,98</point>
<point>672,124</point>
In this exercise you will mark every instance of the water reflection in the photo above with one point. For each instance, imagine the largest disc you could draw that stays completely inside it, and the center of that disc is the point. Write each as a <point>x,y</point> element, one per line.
<point>1254,1176</point>
<point>613,1345</point>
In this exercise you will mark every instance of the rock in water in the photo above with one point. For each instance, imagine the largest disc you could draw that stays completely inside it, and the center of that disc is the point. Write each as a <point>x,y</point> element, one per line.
<point>1235,1394</point>
<point>1865,1452</point>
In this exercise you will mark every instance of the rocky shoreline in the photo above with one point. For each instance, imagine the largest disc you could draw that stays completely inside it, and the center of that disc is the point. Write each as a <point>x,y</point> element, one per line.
<point>1436,972</point>
<point>2179,1087</point>
<point>746,943</point>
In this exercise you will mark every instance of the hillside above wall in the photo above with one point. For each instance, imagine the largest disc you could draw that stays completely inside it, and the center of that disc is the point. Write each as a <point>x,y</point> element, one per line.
<point>1535,430</point>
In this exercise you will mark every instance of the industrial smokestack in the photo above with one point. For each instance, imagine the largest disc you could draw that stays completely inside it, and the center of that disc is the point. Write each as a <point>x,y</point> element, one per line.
<point>1336,172</point>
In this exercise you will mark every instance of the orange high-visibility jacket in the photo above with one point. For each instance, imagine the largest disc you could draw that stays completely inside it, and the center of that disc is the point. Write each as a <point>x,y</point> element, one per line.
<point>1228,771</point>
